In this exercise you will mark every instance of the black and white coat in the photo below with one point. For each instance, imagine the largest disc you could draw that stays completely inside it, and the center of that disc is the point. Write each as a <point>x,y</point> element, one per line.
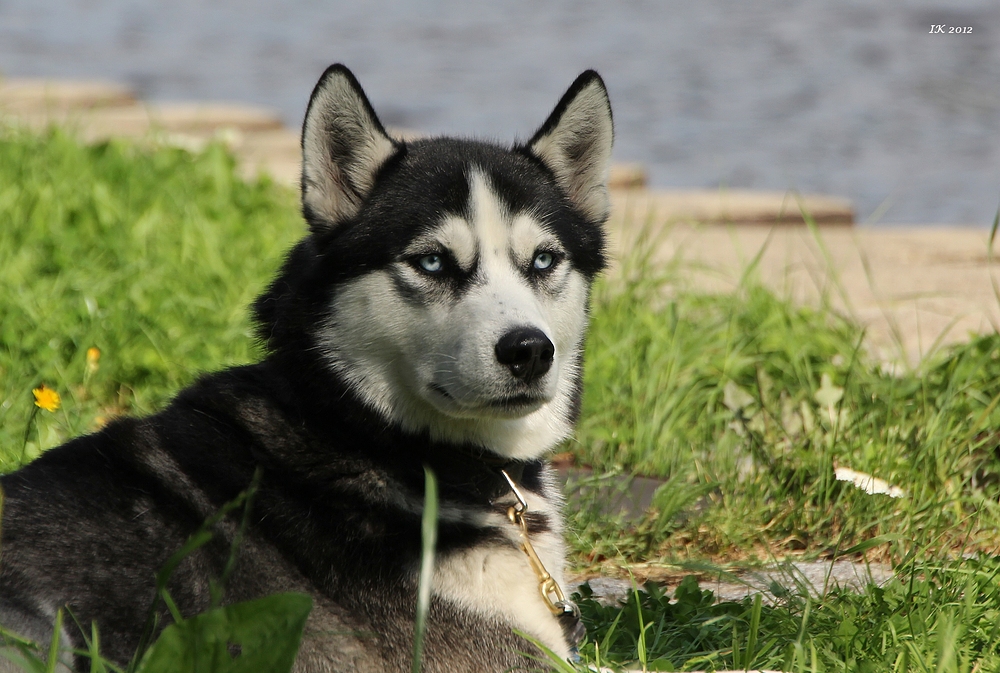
<point>434,316</point>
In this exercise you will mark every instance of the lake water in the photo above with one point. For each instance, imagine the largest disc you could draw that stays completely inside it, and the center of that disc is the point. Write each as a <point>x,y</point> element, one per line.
<point>852,98</point>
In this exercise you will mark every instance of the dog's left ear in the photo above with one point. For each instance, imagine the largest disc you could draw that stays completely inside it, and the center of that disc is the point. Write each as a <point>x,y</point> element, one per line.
<point>343,147</point>
<point>575,144</point>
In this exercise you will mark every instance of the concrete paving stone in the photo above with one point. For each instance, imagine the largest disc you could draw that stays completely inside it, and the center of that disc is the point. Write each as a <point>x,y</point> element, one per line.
<point>26,96</point>
<point>276,152</point>
<point>815,578</point>
<point>404,134</point>
<point>197,120</point>
<point>736,206</point>
<point>914,289</point>
<point>210,117</point>
<point>626,496</point>
<point>627,176</point>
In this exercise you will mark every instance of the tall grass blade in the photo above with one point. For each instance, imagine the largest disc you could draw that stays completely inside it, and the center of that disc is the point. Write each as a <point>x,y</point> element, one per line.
<point>754,633</point>
<point>97,664</point>
<point>54,646</point>
<point>198,539</point>
<point>989,254</point>
<point>428,541</point>
<point>218,588</point>
<point>550,658</point>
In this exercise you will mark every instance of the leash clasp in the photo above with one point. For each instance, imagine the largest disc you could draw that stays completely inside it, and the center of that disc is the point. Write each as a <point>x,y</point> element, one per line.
<point>551,592</point>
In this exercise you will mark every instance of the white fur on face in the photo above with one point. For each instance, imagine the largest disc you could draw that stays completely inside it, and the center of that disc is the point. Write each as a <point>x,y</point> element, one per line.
<point>431,364</point>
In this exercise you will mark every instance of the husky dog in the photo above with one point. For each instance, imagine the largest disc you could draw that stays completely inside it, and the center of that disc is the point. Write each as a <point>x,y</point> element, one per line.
<point>433,316</point>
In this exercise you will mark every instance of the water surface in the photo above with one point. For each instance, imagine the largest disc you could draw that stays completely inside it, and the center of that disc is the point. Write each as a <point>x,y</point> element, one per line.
<point>852,98</point>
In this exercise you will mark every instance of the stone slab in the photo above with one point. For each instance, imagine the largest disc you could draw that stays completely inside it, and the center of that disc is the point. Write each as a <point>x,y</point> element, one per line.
<point>623,496</point>
<point>276,152</point>
<point>28,96</point>
<point>627,176</point>
<point>194,121</point>
<point>735,206</point>
<point>915,289</point>
<point>813,578</point>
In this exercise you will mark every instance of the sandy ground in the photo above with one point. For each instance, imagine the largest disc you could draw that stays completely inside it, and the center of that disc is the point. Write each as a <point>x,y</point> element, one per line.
<point>914,288</point>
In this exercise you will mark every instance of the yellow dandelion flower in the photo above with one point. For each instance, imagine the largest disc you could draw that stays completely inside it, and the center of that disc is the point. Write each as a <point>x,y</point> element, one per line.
<point>46,398</point>
<point>93,359</point>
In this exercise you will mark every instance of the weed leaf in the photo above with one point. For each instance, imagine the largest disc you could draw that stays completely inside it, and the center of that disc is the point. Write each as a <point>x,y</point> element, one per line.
<point>258,635</point>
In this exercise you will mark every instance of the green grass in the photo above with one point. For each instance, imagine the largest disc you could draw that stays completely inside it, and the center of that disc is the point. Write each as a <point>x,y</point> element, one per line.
<point>150,256</point>
<point>744,402</point>
<point>933,617</point>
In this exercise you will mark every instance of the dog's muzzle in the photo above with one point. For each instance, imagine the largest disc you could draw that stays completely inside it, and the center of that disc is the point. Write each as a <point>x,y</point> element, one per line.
<point>526,352</point>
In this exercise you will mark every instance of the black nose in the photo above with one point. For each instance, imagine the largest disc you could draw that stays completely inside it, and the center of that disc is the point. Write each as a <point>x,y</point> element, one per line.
<point>526,352</point>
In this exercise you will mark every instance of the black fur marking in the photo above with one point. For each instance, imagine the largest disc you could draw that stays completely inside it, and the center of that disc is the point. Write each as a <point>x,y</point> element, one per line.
<point>337,513</point>
<point>537,523</point>
<point>413,192</point>
<point>452,281</point>
<point>412,294</point>
<point>531,476</point>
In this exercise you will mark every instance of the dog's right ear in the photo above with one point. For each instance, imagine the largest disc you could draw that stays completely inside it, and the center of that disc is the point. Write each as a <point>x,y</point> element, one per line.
<point>343,147</point>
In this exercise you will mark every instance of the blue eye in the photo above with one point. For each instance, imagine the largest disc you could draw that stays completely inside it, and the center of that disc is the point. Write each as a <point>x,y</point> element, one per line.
<point>431,263</point>
<point>544,260</point>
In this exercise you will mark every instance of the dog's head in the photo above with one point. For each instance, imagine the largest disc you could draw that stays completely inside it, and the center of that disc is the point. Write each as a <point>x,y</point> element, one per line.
<point>446,281</point>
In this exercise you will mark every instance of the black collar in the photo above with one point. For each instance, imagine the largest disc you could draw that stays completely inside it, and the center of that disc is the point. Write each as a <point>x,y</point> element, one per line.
<point>474,475</point>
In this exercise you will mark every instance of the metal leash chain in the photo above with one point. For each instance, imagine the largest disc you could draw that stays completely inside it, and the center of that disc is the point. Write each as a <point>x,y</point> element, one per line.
<point>552,594</point>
